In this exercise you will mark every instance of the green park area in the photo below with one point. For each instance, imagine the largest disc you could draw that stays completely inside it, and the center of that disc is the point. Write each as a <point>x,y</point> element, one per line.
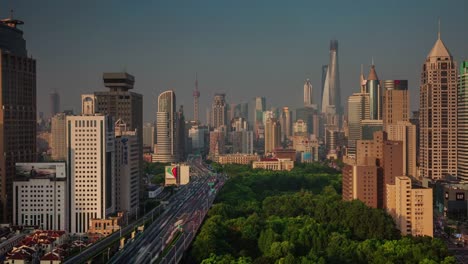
<point>299,217</point>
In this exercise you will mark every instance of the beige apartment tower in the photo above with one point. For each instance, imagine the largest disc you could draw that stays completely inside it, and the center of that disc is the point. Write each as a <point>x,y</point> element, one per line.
<point>438,114</point>
<point>405,132</point>
<point>360,182</point>
<point>411,207</point>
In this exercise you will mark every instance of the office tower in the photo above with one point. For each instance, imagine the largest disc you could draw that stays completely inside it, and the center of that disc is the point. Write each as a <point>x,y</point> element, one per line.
<point>438,114</point>
<point>127,172</point>
<point>388,158</point>
<point>148,135</point>
<point>244,111</point>
<point>180,135</point>
<point>257,114</point>
<point>196,97</point>
<point>369,127</point>
<point>272,135</point>
<point>242,141</point>
<point>219,111</point>
<point>18,111</point>
<point>54,98</point>
<point>411,207</point>
<point>231,112</point>
<point>324,77</point>
<point>59,136</point>
<point>121,103</point>
<point>360,182</point>
<point>300,128</point>
<point>374,90</point>
<point>307,93</point>
<point>166,149</point>
<point>239,124</point>
<point>91,169</point>
<point>286,123</point>
<point>49,210</point>
<point>415,121</point>
<point>197,135</point>
<point>405,132</point>
<point>463,121</point>
<point>358,110</point>
<point>310,117</point>
<point>217,140</point>
<point>331,100</point>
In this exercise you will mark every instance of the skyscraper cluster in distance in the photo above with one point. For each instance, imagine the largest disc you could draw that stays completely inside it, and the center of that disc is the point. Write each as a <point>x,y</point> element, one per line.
<point>88,168</point>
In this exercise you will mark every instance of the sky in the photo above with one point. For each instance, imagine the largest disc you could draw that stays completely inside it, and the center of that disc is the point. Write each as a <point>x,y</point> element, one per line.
<point>242,48</point>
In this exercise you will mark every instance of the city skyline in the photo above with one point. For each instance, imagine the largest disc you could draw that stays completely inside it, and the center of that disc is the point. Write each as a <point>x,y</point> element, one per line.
<point>219,51</point>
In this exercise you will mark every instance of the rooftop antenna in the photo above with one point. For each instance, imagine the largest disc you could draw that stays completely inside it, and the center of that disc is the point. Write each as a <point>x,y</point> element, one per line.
<point>372,60</point>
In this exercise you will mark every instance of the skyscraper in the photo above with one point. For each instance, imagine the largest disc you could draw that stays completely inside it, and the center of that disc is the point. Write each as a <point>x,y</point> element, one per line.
<point>196,97</point>
<point>272,135</point>
<point>18,111</point>
<point>395,102</point>
<point>307,93</point>
<point>286,123</point>
<point>331,100</point>
<point>128,168</point>
<point>59,136</point>
<point>374,90</point>
<point>148,135</point>
<point>463,121</point>
<point>358,110</point>
<point>54,103</point>
<point>438,113</point>
<point>219,111</point>
<point>324,77</point>
<point>121,103</point>
<point>166,149</point>
<point>180,134</point>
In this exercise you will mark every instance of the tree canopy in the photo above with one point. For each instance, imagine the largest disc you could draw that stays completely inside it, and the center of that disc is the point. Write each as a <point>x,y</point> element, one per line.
<point>299,217</point>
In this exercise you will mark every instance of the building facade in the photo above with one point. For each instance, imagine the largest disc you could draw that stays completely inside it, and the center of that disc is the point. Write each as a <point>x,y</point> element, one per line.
<point>18,111</point>
<point>411,207</point>
<point>462,140</point>
<point>395,102</point>
<point>166,149</point>
<point>438,114</point>
<point>273,164</point>
<point>219,111</point>
<point>272,135</point>
<point>127,171</point>
<point>40,195</point>
<point>59,137</point>
<point>91,169</point>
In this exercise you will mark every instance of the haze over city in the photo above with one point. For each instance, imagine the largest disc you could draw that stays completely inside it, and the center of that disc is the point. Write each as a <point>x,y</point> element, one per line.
<point>243,48</point>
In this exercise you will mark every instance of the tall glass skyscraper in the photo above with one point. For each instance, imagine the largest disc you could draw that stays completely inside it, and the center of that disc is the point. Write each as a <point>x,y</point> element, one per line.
<point>166,150</point>
<point>331,97</point>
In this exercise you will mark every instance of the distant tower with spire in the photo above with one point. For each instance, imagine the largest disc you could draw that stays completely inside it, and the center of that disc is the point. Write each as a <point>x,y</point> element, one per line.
<point>196,96</point>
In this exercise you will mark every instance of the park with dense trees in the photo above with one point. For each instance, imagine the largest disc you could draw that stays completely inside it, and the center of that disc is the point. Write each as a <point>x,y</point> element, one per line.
<point>299,217</point>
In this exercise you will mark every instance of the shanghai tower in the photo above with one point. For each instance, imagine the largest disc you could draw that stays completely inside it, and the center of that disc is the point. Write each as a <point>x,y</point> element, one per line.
<point>331,98</point>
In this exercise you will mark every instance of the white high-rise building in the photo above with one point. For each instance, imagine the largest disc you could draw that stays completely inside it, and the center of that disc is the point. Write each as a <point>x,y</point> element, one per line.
<point>166,150</point>
<point>90,148</point>
<point>307,93</point>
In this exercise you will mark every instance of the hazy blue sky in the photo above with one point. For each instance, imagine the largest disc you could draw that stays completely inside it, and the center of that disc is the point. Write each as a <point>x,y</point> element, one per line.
<point>244,48</point>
